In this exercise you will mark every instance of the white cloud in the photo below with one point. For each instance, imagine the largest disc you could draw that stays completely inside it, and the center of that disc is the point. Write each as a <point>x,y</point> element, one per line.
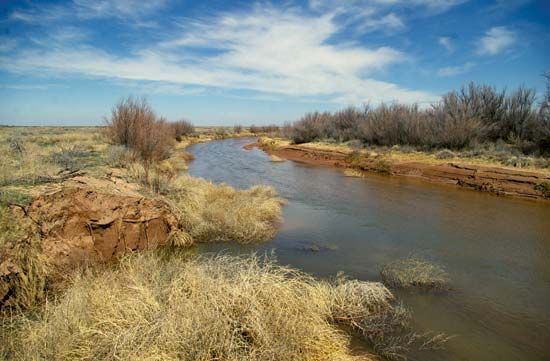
<point>116,8</point>
<point>267,50</point>
<point>88,9</point>
<point>446,42</point>
<point>455,70</point>
<point>496,40</point>
<point>438,5</point>
<point>388,22</point>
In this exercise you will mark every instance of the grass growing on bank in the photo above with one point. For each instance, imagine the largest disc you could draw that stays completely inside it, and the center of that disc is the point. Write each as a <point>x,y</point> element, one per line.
<point>210,212</point>
<point>21,258</point>
<point>167,306</point>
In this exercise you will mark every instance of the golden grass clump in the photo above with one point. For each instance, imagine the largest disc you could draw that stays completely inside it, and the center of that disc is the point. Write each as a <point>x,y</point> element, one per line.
<point>352,172</point>
<point>153,307</point>
<point>210,212</point>
<point>415,272</point>
<point>23,267</point>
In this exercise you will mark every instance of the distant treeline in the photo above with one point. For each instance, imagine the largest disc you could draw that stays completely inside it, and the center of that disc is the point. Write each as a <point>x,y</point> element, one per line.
<point>475,114</point>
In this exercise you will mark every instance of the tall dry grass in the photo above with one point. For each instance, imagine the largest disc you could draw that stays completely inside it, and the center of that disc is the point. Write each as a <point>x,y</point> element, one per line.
<point>24,269</point>
<point>210,212</point>
<point>171,307</point>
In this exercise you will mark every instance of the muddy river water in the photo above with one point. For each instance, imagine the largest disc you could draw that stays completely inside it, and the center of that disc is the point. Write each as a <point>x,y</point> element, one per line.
<point>496,250</point>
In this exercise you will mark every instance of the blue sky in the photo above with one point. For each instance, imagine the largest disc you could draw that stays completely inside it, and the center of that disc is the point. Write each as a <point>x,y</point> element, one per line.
<point>221,62</point>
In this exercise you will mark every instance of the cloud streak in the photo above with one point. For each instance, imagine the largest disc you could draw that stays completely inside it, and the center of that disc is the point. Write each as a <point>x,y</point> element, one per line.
<point>456,70</point>
<point>268,50</point>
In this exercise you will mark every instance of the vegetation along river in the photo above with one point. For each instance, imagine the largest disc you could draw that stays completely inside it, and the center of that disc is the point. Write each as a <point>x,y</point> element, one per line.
<point>496,250</point>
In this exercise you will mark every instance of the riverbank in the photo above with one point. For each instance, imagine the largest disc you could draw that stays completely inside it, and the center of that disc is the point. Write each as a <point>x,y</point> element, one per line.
<point>90,238</point>
<point>473,174</point>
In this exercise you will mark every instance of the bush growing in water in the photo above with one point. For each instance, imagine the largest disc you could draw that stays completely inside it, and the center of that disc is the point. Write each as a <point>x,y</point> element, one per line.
<point>476,113</point>
<point>414,272</point>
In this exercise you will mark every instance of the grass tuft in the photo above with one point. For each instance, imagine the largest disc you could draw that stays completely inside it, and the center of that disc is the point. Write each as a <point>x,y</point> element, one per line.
<point>210,212</point>
<point>415,272</point>
<point>23,267</point>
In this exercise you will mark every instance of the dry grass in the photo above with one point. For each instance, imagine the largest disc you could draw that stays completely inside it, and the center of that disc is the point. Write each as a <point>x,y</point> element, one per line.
<point>210,212</point>
<point>23,268</point>
<point>276,159</point>
<point>352,172</point>
<point>415,272</point>
<point>30,155</point>
<point>490,155</point>
<point>218,308</point>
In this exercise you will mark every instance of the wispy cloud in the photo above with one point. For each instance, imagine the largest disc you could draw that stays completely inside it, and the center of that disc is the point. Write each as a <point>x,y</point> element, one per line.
<point>116,8</point>
<point>456,70</point>
<point>496,40</point>
<point>87,9</point>
<point>7,44</point>
<point>265,49</point>
<point>433,5</point>
<point>389,22</point>
<point>446,42</point>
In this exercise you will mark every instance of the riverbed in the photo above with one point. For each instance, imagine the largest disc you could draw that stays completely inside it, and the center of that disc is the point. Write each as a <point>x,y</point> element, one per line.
<point>496,250</point>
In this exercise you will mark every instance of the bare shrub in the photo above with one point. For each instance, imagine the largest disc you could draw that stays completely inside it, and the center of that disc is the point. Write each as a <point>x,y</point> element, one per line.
<point>308,128</point>
<point>182,128</point>
<point>127,118</point>
<point>17,147</point>
<point>415,272</point>
<point>69,156</point>
<point>134,125</point>
<point>475,114</point>
<point>237,129</point>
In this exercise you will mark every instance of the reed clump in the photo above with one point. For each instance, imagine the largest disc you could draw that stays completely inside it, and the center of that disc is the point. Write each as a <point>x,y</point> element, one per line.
<point>211,212</point>
<point>415,272</point>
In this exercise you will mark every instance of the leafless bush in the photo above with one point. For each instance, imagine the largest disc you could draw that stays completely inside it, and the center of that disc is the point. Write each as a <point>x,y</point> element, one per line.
<point>238,129</point>
<point>475,114</point>
<point>182,128</point>
<point>68,157</point>
<point>135,125</point>
<point>264,129</point>
<point>17,147</point>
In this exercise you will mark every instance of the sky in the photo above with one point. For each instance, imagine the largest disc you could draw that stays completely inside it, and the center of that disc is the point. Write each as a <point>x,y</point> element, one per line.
<point>242,62</point>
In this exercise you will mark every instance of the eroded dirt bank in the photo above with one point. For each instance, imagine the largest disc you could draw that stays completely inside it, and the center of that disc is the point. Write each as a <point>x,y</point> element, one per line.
<point>500,181</point>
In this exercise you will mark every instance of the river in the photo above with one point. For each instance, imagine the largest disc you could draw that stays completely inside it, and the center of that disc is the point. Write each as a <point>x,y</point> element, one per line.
<point>496,250</point>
